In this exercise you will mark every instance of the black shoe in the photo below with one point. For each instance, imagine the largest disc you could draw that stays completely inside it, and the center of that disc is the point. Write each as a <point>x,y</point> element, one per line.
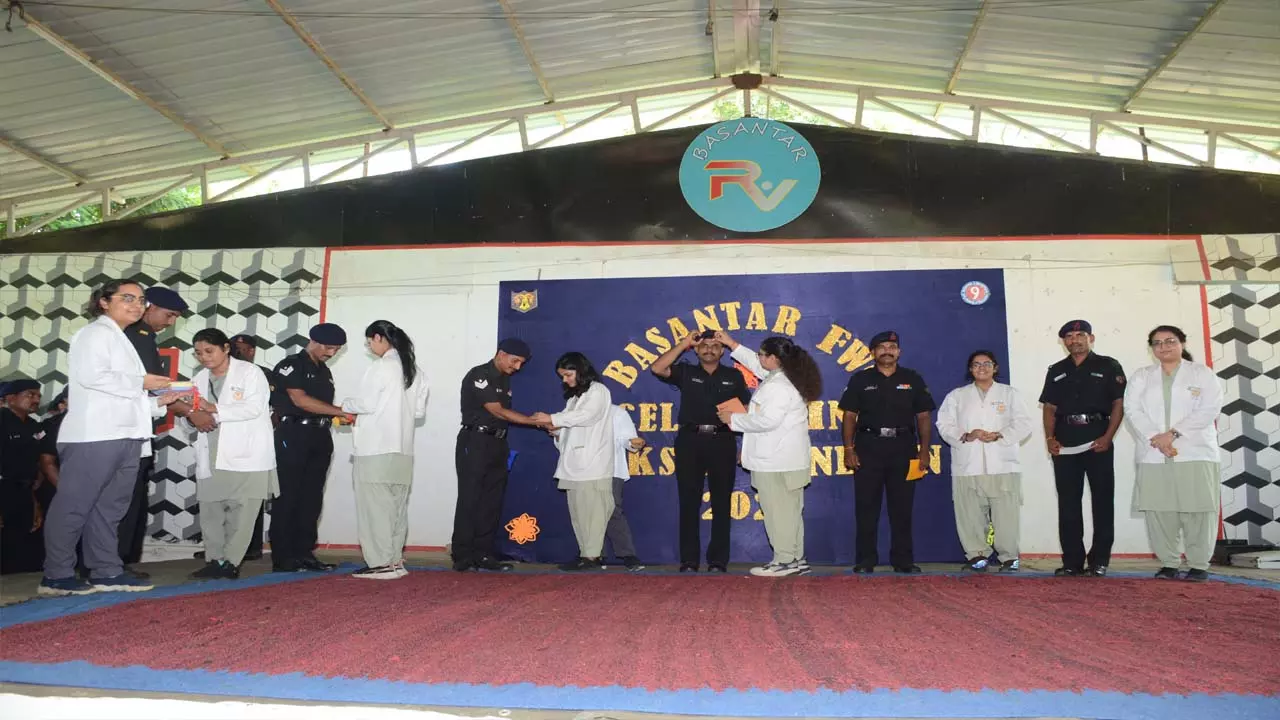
<point>210,571</point>
<point>1068,572</point>
<point>907,569</point>
<point>463,565</point>
<point>1167,573</point>
<point>581,564</point>
<point>1009,566</point>
<point>717,568</point>
<point>632,563</point>
<point>229,571</point>
<point>286,566</point>
<point>199,555</point>
<point>313,564</point>
<point>1196,575</point>
<point>488,563</point>
<point>1096,571</point>
<point>863,569</point>
<point>137,573</point>
<point>688,567</point>
<point>978,564</point>
<point>253,555</point>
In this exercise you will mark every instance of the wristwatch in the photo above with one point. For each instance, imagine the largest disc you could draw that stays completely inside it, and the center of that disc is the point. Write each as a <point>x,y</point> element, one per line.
<point>1175,434</point>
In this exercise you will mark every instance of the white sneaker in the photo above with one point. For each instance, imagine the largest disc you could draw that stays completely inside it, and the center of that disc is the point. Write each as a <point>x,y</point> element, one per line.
<point>801,566</point>
<point>775,570</point>
<point>386,572</point>
<point>398,566</point>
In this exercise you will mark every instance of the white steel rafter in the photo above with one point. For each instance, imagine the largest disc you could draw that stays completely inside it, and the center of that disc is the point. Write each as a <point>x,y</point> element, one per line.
<point>486,124</point>
<point>1173,53</point>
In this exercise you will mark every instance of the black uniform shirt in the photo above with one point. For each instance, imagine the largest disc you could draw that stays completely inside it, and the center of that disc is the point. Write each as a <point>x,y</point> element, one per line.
<point>481,385</point>
<point>887,401</point>
<point>20,443</point>
<point>300,372</point>
<point>49,445</point>
<point>143,340</point>
<point>701,392</point>
<point>1091,387</point>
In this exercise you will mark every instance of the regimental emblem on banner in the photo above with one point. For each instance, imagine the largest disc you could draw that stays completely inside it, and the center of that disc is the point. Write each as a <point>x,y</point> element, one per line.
<point>975,292</point>
<point>524,301</point>
<point>523,529</point>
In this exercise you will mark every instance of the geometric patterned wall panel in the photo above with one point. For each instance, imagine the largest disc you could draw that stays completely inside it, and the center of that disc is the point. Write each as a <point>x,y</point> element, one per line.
<point>1244,323</point>
<point>272,293</point>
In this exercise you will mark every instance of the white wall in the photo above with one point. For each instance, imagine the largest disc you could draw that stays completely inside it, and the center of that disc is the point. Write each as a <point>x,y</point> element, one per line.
<point>447,300</point>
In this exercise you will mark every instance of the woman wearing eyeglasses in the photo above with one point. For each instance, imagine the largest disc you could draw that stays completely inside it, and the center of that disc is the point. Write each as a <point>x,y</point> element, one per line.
<point>984,422</point>
<point>104,437</point>
<point>1172,406</point>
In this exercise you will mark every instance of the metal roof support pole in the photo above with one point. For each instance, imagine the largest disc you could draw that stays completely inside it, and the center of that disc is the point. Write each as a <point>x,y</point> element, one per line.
<point>1033,129</point>
<point>857,113</point>
<point>746,36</point>
<point>950,87</point>
<point>249,181</point>
<point>524,133</point>
<point>686,110</point>
<point>528,51</point>
<point>204,185</point>
<point>775,38</point>
<point>581,123</point>
<point>635,116</point>
<point>473,139</point>
<point>976,129</point>
<point>106,205</point>
<point>1173,53</point>
<point>10,219</point>
<point>919,118</point>
<point>54,215</point>
<point>306,168</point>
<point>41,160</point>
<point>1146,141</point>
<point>1211,148</point>
<point>746,103</point>
<point>126,212</point>
<point>838,121</point>
<point>1095,129</point>
<point>1273,154</point>
<point>413,151</point>
<point>713,32</point>
<point>364,158</point>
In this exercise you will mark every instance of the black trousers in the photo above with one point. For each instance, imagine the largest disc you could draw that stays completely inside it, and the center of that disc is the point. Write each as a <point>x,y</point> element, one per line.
<point>1069,473</point>
<point>133,526</point>
<point>255,542</point>
<point>883,473</point>
<point>712,457</point>
<point>481,462</point>
<point>21,550</point>
<point>303,453</point>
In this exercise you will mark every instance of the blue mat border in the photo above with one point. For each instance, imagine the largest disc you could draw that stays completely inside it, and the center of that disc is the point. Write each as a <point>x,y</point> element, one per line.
<point>744,703</point>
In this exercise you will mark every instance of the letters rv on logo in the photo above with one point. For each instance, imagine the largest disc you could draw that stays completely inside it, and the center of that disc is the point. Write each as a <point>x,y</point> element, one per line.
<point>750,175</point>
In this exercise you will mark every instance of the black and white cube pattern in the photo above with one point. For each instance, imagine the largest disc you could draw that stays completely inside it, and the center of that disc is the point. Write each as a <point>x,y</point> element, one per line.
<point>272,293</point>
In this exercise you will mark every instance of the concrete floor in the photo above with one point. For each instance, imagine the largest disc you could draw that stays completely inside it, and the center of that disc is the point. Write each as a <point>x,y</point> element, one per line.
<point>19,588</point>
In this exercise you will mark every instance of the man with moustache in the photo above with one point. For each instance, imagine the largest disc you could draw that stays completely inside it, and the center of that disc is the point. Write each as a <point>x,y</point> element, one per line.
<point>21,435</point>
<point>705,447</point>
<point>1083,401</point>
<point>304,449</point>
<point>886,425</point>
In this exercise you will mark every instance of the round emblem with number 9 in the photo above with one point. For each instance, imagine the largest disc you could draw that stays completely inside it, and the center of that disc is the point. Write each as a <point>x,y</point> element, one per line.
<point>975,293</point>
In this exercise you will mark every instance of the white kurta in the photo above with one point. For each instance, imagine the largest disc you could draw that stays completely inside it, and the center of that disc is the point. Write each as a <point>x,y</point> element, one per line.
<point>585,440</point>
<point>387,412</point>
<point>1190,402</point>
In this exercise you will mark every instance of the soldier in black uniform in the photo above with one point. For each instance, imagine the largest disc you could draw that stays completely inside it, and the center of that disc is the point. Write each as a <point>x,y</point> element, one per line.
<point>21,542</point>
<point>304,448</point>
<point>164,307</point>
<point>886,425</point>
<point>245,347</point>
<point>481,456</point>
<point>705,447</point>
<point>1083,402</point>
<point>55,413</point>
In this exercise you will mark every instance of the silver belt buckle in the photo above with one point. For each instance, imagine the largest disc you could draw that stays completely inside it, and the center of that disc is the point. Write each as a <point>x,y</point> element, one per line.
<point>888,432</point>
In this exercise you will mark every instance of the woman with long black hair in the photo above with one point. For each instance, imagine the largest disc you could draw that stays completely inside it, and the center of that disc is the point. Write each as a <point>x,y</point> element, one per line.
<point>775,442</point>
<point>392,398</point>
<point>1172,405</point>
<point>583,434</point>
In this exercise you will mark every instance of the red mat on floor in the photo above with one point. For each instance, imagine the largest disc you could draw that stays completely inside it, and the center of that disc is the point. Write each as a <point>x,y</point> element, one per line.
<point>666,632</point>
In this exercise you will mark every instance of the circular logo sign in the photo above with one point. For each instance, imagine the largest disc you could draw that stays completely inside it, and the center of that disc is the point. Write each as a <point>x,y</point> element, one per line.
<point>749,175</point>
<point>975,293</point>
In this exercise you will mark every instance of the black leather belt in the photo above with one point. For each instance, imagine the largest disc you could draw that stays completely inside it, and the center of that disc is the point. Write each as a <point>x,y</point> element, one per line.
<point>886,432</point>
<point>298,420</point>
<point>1085,419</point>
<point>705,429</point>
<point>494,431</point>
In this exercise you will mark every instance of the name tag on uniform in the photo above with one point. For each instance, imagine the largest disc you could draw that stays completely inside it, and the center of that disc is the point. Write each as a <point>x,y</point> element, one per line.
<point>726,382</point>
<point>869,387</point>
<point>999,406</point>
<point>697,380</point>
<point>1195,391</point>
<point>1097,375</point>
<point>1059,377</point>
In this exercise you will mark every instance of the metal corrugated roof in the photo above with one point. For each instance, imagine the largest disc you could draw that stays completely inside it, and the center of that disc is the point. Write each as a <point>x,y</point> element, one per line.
<point>233,77</point>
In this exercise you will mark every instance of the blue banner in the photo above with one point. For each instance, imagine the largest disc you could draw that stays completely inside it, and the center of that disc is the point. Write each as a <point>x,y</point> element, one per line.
<point>623,325</point>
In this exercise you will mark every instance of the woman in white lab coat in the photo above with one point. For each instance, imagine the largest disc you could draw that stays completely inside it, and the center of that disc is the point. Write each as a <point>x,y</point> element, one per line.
<point>984,422</point>
<point>775,443</point>
<point>583,434</point>
<point>235,452</point>
<point>1172,406</point>
<point>392,398</point>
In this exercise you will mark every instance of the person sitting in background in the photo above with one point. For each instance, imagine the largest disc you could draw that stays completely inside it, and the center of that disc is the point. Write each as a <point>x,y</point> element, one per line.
<point>618,531</point>
<point>235,453</point>
<point>984,422</point>
<point>775,442</point>
<point>583,434</point>
<point>1172,405</point>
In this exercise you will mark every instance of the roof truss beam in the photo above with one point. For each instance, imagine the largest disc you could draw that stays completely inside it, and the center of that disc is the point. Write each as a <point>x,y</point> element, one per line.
<point>1168,59</point>
<point>528,51</point>
<point>41,160</point>
<point>968,47</point>
<point>319,52</point>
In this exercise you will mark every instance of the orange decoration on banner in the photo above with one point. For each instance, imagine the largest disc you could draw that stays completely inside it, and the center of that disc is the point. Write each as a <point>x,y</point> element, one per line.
<point>523,529</point>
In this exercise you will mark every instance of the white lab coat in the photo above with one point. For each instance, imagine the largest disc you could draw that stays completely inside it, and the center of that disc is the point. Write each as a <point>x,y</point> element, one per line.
<point>105,398</point>
<point>964,409</point>
<point>387,411</point>
<point>1196,398</point>
<point>624,431</point>
<point>776,425</point>
<point>585,440</point>
<point>245,439</point>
